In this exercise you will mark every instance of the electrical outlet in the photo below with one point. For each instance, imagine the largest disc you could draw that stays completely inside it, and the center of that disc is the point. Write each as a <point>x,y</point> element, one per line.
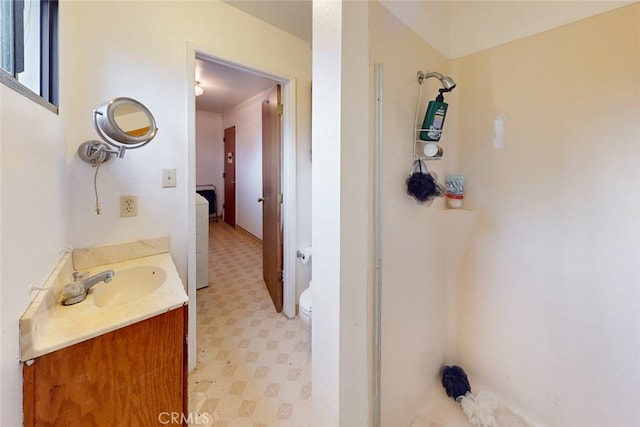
<point>128,206</point>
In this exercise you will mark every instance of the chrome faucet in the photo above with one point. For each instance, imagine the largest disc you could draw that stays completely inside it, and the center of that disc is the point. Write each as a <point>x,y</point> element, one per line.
<point>76,290</point>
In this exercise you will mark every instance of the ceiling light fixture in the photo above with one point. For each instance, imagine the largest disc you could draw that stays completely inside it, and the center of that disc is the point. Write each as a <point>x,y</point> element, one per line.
<point>198,89</point>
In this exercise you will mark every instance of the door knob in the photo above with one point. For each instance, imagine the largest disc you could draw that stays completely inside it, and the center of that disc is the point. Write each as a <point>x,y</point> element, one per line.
<point>260,199</point>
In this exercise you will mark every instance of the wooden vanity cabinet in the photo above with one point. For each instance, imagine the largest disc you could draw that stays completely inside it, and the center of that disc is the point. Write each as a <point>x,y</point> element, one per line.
<point>133,376</point>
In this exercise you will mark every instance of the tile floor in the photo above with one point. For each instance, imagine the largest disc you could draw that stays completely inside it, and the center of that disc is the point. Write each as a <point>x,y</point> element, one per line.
<point>253,365</point>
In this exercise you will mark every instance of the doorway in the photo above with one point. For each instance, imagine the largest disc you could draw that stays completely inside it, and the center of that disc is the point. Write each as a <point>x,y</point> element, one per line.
<point>288,167</point>
<point>287,203</point>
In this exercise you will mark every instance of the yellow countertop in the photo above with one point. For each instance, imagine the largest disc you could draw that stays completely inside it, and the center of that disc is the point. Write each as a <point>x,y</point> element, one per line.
<point>48,326</point>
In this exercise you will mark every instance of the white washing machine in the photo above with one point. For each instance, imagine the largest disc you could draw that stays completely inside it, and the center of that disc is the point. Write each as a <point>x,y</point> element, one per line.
<point>202,242</point>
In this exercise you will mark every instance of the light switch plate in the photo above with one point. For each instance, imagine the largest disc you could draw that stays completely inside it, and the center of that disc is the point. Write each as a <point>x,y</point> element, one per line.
<point>168,178</point>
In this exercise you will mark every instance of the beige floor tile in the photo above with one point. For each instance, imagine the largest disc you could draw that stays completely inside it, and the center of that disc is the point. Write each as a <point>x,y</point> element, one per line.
<point>253,365</point>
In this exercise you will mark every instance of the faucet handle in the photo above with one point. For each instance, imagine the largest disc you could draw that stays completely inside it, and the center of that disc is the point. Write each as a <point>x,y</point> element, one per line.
<point>79,275</point>
<point>74,292</point>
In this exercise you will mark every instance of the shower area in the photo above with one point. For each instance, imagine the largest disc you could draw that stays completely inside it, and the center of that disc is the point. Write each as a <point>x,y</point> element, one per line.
<point>531,285</point>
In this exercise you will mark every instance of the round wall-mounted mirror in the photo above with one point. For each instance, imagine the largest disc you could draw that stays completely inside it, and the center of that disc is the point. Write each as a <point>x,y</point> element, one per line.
<point>132,120</point>
<point>124,121</point>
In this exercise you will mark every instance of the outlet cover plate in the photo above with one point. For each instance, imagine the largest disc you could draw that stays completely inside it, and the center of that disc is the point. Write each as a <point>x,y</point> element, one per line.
<point>128,206</point>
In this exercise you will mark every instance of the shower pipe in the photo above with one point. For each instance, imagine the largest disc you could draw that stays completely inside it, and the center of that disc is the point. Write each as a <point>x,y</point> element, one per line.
<point>448,84</point>
<point>377,289</point>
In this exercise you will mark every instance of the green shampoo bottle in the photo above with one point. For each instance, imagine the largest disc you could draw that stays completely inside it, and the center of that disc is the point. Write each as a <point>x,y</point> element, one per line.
<point>434,119</point>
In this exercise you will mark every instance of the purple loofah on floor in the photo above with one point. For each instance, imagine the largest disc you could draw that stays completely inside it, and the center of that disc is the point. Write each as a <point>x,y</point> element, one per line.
<point>455,381</point>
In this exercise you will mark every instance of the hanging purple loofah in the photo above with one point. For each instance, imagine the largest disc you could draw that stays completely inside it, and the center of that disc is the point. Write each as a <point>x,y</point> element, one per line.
<point>422,185</point>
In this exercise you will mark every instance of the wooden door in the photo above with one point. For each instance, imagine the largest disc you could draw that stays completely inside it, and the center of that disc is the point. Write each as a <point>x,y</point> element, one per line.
<point>230,176</point>
<point>272,196</point>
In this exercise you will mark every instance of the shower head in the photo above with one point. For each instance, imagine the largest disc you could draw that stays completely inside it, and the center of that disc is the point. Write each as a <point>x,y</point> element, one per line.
<point>447,82</point>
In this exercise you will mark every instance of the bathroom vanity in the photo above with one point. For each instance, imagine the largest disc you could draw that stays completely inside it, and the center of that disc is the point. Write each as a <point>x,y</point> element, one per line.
<point>117,358</point>
<point>132,376</point>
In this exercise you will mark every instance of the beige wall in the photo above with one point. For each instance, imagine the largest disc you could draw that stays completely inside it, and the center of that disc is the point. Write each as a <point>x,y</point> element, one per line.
<point>458,28</point>
<point>547,304</point>
<point>413,310</point>
<point>533,288</point>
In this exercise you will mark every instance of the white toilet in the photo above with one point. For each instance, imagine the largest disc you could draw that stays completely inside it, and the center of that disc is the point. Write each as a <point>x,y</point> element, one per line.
<point>304,306</point>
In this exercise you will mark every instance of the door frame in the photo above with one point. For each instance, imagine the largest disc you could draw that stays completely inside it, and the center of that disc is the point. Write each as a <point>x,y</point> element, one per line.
<point>289,212</point>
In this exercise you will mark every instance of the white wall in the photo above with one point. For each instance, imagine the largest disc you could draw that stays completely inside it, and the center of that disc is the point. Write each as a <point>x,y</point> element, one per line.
<point>325,228</point>
<point>356,215</point>
<point>33,223</point>
<point>547,308</point>
<point>247,118</point>
<point>341,215</point>
<point>140,58</point>
<point>155,58</point>
<point>50,201</point>
<point>210,152</point>
<point>153,43</point>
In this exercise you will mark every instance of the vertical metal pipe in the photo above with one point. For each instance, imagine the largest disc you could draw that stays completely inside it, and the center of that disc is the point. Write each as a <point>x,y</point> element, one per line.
<point>377,290</point>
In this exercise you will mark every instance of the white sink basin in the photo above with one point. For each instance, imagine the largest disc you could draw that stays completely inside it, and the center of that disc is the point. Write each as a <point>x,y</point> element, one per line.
<point>128,285</point>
